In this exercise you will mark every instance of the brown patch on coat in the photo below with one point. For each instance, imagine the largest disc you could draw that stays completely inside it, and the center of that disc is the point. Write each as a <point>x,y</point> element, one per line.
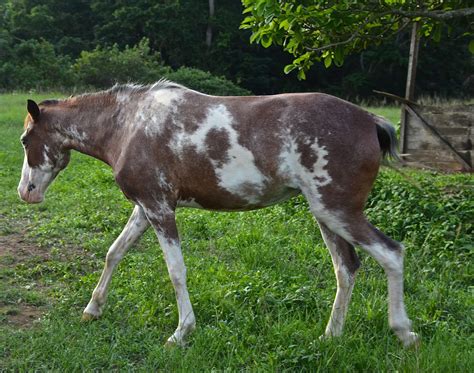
<point>217,145</point>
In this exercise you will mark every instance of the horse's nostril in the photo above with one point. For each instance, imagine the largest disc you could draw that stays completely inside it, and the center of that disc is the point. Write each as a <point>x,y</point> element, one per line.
<point>31,187</point>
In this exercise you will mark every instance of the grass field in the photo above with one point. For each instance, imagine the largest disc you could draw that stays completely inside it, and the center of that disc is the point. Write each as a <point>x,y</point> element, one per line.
<point>261,282</point>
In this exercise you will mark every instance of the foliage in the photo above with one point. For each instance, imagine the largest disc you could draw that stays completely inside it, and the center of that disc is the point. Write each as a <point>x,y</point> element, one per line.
<point>29,64</point>
<point>261,282</point>
<point>176,30</point>
<point>328,31</point>
<point>205,82</point>
<point>105,66</point>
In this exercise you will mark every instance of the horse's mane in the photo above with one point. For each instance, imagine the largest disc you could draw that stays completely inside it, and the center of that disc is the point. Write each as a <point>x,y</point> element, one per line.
<point>129,88</point>
<point>132,88</point>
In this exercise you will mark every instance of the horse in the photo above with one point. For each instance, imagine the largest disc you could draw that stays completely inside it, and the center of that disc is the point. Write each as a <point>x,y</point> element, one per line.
<point>171,147</point>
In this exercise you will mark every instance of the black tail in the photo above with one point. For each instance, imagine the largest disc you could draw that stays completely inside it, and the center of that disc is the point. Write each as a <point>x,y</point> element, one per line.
<point>387,139</point>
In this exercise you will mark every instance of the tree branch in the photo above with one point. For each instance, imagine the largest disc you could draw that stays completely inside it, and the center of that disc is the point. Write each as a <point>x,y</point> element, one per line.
<point>440,15</point>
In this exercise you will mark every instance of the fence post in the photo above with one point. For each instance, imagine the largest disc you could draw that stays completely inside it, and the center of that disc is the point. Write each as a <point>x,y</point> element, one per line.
<point>411,77</point>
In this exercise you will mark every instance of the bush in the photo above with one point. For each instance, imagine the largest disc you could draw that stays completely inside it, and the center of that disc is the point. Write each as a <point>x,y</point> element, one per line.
<point>104,67</point>
<point>206,82</point>
<point>33,64</point>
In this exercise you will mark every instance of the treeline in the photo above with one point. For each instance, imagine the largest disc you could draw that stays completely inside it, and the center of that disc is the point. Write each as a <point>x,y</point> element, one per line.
<point>95,43</point>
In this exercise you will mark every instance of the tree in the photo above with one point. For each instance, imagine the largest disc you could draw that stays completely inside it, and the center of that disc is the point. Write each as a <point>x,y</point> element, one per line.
<point>329,31</point>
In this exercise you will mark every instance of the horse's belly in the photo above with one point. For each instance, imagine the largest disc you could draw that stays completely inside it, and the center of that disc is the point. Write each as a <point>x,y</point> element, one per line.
<point>228,202</point>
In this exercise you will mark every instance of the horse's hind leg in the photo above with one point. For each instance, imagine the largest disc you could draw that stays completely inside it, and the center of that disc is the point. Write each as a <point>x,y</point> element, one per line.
<point>356,230</point>
<point>346,263</point>
<point>389,254</point>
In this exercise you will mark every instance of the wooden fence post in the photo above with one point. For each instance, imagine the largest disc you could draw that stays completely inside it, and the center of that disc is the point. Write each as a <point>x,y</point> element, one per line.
<point>411,77</point>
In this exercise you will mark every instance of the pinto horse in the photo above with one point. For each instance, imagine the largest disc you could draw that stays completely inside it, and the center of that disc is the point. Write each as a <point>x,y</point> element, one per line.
<point>172,147</point>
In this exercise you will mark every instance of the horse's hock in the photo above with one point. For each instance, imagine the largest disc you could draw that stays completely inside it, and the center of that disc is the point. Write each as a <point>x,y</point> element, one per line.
<point>438,137</point>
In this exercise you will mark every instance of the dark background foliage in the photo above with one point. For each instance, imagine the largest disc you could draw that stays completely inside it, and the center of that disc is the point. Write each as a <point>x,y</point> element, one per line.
<point>93,43</point>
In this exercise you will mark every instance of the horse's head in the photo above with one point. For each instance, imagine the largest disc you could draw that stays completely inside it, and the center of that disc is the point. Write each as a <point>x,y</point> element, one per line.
<point>45,154</point>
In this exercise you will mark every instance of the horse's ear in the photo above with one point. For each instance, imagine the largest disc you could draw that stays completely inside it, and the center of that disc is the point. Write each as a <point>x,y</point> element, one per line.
<point>33,109</point>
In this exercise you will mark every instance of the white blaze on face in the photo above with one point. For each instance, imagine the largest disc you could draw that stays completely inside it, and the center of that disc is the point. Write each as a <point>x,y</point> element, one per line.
<point>35,180</point>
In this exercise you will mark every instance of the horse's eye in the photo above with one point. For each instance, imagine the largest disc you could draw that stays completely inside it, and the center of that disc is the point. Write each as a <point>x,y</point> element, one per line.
<point>24,142</point>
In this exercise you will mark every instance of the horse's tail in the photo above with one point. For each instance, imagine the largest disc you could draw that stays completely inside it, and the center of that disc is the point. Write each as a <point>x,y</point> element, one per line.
<point>387,138</point>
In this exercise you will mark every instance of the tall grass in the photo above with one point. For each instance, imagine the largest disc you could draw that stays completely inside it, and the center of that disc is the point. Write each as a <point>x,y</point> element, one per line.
<point>261,282</point>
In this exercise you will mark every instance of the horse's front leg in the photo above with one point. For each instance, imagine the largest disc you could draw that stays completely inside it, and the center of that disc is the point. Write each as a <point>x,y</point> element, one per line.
<point>137,224</point>
<point>162,218</point>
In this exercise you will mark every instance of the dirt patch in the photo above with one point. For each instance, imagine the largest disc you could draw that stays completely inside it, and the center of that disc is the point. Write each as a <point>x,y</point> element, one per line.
<point>21,315</point>
<point>15,310</point>
<point>14,248</point>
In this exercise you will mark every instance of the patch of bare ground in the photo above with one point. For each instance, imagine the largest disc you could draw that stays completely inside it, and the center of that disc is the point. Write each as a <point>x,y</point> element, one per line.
<point>24,294</point>
<point>15,248</point>
<point>21,315</point>
<point>15,309</point>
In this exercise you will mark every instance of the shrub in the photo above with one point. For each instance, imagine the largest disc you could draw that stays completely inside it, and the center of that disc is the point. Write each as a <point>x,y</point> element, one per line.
<point>206,82</point>
<point>34,64</point>
<point>106,66</point>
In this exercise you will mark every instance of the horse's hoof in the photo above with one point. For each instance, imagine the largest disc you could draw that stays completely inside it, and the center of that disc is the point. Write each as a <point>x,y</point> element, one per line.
<point>172,343</point>
<point>88,317</point>
<point>412,340</point>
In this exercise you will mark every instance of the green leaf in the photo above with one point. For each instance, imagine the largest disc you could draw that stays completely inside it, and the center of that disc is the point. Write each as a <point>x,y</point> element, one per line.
<point>254,36</point>
<point>471,46</point>
<point>289,68</point>
<point>301,75</point>
<point>328,61</point>
<point>249,19</point>
<point>284,24</point>
<point>266,41</point>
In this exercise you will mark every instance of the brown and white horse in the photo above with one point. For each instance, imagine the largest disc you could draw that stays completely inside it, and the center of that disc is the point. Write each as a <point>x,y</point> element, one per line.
<point>172,147</point>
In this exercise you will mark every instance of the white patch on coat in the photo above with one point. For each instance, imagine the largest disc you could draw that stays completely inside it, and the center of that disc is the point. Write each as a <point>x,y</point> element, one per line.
<point>74,134</point>
<point>291,166</point>
<point>310,180</point>
<point>163,181</point>
<point>237,172</point>
<point>154,108</point>
<point>157,214</point>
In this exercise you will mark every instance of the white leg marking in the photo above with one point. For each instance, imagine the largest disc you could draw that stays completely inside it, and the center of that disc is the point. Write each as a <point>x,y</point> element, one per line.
<point>345,284</point>
<point>392,263</point>
<point>136,225</point>
<point>177,271</point>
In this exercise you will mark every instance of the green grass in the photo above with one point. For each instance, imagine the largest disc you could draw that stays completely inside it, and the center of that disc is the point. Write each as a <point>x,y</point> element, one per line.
<point>261,282</point>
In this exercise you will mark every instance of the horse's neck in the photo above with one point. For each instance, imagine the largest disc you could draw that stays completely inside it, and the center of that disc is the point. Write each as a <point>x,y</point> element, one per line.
<point>92,128</point>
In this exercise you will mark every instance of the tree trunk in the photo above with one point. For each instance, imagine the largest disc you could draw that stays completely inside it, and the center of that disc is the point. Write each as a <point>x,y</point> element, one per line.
<point>209,24</point>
